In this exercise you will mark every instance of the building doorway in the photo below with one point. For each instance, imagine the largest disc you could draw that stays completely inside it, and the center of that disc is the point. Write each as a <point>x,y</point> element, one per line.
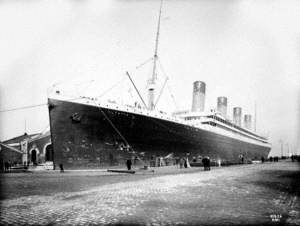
<point>49,153</point>
<point>34,156</point>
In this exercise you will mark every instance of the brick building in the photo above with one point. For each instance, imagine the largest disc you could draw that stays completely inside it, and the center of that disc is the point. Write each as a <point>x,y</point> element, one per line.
<point>39,149</point>
<point>27,149</point>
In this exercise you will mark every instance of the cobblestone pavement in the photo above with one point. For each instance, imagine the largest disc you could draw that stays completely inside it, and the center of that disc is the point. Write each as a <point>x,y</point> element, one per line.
<point>232,195</point>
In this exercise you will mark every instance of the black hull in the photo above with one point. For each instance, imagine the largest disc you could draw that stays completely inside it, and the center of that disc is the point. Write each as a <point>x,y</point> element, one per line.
<point>83,137</point>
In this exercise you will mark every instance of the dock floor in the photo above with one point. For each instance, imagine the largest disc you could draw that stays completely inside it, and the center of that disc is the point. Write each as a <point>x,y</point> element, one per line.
<point>241,195</point>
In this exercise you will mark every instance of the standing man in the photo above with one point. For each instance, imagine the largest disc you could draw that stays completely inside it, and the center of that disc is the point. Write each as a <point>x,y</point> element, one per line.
<point>204,163</point>
<point>128,163</point>
<point>208,163</point>
<point>181,163</point>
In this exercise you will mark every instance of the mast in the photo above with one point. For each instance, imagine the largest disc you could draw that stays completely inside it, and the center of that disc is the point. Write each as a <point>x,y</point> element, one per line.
<point>255,116</point>
<point>25,127</point>
<point>151,83</point>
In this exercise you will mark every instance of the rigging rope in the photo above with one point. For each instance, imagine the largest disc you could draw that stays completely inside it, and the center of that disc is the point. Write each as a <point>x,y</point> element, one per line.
<point>84,88</point>
<point>31,106</point>
<point>161,91</point>
<point>144,63</point>
<point>164,73</point>
<point>24,107</point>
<point>110,88</point>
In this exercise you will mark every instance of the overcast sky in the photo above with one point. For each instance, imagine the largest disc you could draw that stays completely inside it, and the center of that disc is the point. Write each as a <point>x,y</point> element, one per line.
<point>248,51</point>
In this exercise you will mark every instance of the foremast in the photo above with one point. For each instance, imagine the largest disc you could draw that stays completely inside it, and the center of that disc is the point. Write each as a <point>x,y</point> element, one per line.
<point>151,82</point>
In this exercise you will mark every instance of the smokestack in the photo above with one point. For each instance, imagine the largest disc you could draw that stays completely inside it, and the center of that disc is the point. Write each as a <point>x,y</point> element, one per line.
<point>237,116</point>
<point>248,122</point>
<point>222,106</point>
<point>198,96</point>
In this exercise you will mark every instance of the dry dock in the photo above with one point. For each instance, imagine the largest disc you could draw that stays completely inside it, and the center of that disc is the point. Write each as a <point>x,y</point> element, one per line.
<point>245,194</point>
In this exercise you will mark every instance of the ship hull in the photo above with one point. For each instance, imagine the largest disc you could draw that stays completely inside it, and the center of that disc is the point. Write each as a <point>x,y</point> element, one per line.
<point>86,136</point>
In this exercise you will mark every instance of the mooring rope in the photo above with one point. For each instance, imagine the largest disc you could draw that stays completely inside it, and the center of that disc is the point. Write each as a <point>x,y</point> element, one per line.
<point>120,134</point>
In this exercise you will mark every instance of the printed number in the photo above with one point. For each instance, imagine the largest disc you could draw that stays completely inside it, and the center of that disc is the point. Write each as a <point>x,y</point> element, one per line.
<point>275,217</point>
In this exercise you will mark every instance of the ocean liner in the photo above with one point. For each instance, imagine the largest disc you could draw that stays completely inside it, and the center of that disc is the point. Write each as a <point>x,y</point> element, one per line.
<point>87,132</point>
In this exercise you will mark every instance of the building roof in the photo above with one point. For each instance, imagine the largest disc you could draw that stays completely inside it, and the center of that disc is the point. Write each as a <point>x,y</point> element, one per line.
<point>39,136</point>
<point>8,147</point>
<point>20,138</point>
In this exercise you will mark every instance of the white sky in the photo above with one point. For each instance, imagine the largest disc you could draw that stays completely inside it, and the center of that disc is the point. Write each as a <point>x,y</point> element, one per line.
<point>246,50</point>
